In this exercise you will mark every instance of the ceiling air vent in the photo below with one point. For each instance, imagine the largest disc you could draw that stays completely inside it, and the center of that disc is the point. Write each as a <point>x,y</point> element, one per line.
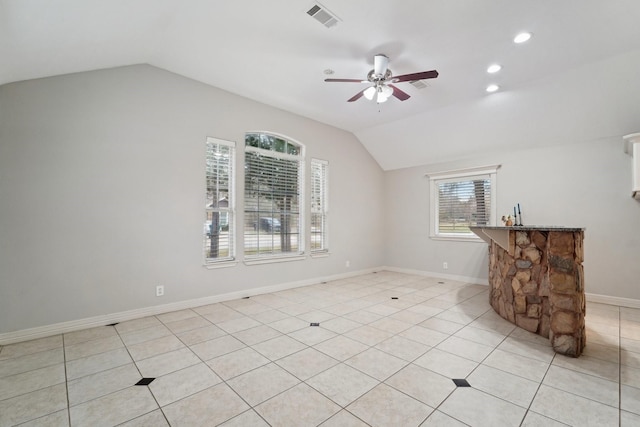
<point>322,15</point>
<point>419,84</point>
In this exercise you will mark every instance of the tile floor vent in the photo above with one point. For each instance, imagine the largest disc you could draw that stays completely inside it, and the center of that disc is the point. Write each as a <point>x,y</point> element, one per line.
<point>145,381</point>
<point>461,382</point>
<point>394,297</point>
<point>112,324</point>
<point>314,324</point>
<point>419,84</point>
<point>322,15</point>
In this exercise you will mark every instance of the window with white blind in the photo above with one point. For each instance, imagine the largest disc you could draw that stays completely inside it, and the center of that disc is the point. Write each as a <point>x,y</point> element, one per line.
<point>461,199</point>
<point>319,206</point>
<point>219,225</point>
<point>273,197</point>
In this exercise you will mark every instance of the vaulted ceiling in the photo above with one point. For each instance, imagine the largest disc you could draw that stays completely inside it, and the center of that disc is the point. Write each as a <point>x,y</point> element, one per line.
<point>274,52</point>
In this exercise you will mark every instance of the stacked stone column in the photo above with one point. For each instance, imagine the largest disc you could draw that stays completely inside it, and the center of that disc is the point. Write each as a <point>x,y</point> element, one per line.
<point>538,284</point>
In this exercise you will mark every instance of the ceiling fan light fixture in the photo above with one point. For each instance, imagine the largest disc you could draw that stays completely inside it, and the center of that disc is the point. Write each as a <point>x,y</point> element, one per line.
<point>381,93</point>
<point>384,92</point>
<point>369,93</point>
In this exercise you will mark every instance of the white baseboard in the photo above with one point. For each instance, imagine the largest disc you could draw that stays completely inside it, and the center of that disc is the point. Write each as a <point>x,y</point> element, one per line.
<point>466,279</point>
<point>106,319</point>
<point>605,299</point>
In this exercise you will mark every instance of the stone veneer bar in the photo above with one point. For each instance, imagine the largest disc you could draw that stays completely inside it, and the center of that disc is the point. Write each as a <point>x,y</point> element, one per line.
<point>537,281</point>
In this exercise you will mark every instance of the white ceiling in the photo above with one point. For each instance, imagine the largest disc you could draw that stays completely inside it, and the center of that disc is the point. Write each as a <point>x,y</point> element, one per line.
<point>273,52</point>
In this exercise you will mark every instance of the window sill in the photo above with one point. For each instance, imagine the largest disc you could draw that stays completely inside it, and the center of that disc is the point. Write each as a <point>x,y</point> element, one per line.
<point>220,264</point>
<point>323,254</point>
<point>270,260</point>
<point>471,239</point>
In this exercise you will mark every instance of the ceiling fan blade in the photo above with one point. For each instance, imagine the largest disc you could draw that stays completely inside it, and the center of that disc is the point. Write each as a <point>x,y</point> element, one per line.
<point>346,80</point>
<point>357,96</point>
<point>415,76</point>
<point>380,64</point>
<point>401,95</point>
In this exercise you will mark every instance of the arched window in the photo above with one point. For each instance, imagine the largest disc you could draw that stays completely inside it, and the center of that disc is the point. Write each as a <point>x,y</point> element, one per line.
<point>273,196</point>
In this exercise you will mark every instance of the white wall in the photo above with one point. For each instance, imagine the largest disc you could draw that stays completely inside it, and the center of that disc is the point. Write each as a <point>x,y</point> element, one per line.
<point>584,184</point>
<point>102,194</point>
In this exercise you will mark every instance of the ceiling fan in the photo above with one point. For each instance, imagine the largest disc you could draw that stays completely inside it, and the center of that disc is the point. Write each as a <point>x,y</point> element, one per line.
<point>382,80</point>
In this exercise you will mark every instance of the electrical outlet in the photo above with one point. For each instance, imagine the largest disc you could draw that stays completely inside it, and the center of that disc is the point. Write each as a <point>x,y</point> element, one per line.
<point>445,265</point>
<point>159,291</point>
<point>347,264</point>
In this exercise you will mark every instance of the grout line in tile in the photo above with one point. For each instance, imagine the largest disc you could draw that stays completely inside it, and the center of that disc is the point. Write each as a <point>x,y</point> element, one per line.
<point>141,376</point>
<point>538,390</point>
<point>66,380</point>
<point>619,368</point>
<point>225,382</point>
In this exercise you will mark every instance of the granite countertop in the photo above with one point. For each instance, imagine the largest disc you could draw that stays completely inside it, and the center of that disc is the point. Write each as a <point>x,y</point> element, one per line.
<point>529,228</point>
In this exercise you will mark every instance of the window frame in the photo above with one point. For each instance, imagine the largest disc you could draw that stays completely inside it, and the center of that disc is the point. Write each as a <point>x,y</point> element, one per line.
<point>299,254</point>
<point>467,174</point>
<point>230,259</point>
<point>323,209</point>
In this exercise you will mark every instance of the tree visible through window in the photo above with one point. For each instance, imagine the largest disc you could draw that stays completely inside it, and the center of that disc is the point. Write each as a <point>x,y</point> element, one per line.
<point>462,204</point>
<point>273,181</point>
<point>462,199</point>
<point>219,215</point>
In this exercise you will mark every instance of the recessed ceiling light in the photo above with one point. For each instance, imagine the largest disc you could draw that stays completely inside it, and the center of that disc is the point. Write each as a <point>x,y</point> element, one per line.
<point>492,88</point>
<point>494,68</point>
<point>522,37</point>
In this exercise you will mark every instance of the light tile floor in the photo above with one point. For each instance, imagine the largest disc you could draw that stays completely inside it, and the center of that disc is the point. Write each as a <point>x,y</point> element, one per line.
<point>374,360</point>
